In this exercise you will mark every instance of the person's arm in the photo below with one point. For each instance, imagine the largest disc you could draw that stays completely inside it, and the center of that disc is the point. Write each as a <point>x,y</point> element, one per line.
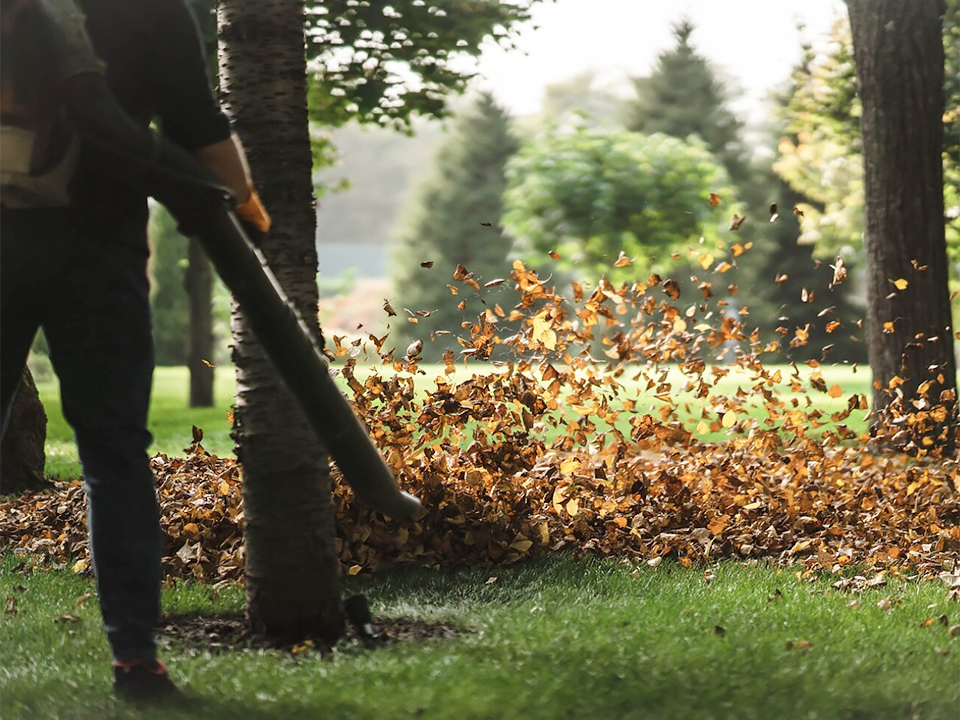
<point>189,114</point>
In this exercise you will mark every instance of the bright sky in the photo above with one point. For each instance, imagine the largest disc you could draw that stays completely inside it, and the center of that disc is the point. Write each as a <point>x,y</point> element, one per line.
<point>755,43</point>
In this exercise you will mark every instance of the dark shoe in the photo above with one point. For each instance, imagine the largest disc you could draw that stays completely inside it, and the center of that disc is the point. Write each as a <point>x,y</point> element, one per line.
<point>145,682</point>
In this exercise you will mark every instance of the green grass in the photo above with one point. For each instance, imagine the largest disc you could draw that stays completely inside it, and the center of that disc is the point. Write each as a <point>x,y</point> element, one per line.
<point>553,638</point>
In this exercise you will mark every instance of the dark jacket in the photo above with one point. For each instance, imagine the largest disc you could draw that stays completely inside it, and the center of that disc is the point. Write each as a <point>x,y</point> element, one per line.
<point>155,67</point>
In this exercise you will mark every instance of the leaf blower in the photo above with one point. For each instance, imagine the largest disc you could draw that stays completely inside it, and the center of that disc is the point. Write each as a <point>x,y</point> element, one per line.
<point>202,208</point>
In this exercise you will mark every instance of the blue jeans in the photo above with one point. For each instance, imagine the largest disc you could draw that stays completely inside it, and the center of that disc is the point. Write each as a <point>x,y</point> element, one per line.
<point>84,281</point>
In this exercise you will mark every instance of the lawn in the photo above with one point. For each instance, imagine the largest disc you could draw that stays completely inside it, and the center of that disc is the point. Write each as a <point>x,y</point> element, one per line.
<point>550,638</point>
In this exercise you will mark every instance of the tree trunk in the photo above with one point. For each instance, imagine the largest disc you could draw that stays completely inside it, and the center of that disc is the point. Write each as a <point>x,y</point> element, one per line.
<point>292,567</point>
<point>899,57</point>
<point>199,283</point>
<point>21,452</point>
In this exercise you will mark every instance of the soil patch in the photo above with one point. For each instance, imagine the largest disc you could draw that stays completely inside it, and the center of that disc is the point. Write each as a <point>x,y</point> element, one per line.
<point>230,633</point>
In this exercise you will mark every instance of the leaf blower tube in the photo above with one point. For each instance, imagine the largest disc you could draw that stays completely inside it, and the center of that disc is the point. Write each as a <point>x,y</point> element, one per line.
<point>203,210</point>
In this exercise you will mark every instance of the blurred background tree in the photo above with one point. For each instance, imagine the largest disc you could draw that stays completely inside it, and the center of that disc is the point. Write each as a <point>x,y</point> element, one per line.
<point>683,96</point>
<point>591,194</point>
<point>455,220</point>
<point>168,295</point>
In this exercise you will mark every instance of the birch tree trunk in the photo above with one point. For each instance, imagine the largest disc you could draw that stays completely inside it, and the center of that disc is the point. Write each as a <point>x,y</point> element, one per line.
<point>898,50</point>
<point>291,561</point>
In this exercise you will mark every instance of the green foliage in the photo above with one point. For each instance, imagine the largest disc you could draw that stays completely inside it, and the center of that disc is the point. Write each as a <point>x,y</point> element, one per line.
<point>168,296</point>
<point>683,97</point>
<point>455,221</point>
<point>819,155</point>
<point>590,194</point>
<point>383,63</point>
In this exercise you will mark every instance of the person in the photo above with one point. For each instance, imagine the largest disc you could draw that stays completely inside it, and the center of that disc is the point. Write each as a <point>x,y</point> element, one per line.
<point>79,271</point>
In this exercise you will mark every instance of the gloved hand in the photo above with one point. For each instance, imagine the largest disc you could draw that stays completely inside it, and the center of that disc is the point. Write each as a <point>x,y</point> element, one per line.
<point>254,216</point>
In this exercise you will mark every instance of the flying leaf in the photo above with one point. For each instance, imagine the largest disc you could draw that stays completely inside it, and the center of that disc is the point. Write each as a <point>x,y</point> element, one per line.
<point>839,272</point>
<point>672,289</point>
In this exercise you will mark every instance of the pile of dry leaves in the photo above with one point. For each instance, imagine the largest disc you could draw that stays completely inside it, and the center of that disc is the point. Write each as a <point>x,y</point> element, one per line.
<point>562,450</point>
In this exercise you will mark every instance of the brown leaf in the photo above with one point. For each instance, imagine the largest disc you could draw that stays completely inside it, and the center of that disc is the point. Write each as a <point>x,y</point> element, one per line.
<point>414,348</point>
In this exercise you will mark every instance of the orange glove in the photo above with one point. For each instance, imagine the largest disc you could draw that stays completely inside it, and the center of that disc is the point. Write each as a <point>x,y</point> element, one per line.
<point>252,211</point>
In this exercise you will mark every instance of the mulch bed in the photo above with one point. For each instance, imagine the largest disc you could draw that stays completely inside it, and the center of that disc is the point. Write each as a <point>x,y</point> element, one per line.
<point>231,633</point>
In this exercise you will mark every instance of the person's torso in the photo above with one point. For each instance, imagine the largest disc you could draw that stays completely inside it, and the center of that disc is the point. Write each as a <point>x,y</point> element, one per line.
<point>122,35</point>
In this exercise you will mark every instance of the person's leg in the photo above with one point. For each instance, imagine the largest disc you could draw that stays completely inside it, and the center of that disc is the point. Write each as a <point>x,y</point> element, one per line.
<point>102,350</point>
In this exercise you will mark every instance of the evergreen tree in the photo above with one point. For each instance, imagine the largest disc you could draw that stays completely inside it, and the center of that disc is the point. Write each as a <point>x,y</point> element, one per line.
<point>455,221</point>
<point>683,97</point>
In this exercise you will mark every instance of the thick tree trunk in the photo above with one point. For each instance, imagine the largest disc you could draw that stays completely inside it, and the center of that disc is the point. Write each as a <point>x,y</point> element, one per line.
<point>21,453</point>
<point>199,283</point>
<point>899,56</point>
<point>291,560</point>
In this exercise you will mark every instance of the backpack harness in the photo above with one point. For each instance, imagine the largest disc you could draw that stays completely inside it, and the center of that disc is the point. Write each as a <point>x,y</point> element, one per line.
<point>38,151</point>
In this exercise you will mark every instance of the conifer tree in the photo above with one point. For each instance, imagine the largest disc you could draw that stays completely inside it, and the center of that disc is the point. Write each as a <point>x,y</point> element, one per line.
<point>683,97</point>
<point>455,220</point>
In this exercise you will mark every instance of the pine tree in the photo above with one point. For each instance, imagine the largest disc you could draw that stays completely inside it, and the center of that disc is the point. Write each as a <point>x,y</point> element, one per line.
<point>455,221</point>
<point>683,97</point>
